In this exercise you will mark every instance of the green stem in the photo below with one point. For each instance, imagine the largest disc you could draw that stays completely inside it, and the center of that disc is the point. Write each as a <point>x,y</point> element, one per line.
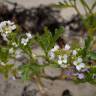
<point>40,86</point>
<point>76,9</point>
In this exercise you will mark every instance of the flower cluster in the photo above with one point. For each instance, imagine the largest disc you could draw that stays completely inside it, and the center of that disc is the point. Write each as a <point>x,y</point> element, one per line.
<point>65,55</point>
<point>62,59</point>
<point>6,27</point>
<point>24,41</point>
<point>67,58</point>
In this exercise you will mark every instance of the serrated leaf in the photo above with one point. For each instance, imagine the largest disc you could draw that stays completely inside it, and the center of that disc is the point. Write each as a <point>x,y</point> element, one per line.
<point>47,41</point>
<point>58,33</point>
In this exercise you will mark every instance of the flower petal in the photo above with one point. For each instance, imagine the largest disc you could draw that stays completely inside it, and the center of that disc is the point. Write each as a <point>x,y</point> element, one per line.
<point>67,47</point>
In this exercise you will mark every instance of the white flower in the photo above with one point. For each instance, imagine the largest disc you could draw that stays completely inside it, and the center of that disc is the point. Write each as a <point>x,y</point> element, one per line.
<point>56,47</point>
<point>67,47</point>
<point>74,52</point>
<point>10,23</point>
<point>13,27</point>
<point>79,60</point>
<point>59,57</point>
<point>4,36</point>
<point>60,62</point>
<point>24,41</point>
<point>51,52</point>
<point>80,66</point>
<point>14,44</point>
<point>7,30</point>
<point>6,27</point>
<point>65,56</point>
<point>3,24</point>
<point>11,50</point>
<point>64,61</point>
<point>79,63</point>
<point>75,62</point>
<point>51,55</point>
<point>29,36</point>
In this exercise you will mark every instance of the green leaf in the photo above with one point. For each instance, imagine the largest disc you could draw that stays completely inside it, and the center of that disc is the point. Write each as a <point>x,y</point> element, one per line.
<point>88,42</point>
<point>4,53</point>
<point>62,5</point>
<point>47,41</point>
<point>36,69</point>
<point>92,55</point>
<point>58,33</point>
<point>29,70</point>
<point>90,24</point>
<point>86,48</point>
<point>93,6</point>
<point>25,69</point>
<point>89,76</point>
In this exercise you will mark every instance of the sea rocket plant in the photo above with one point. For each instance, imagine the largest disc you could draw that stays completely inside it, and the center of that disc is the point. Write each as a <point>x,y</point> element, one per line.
<point>24,41</point>
<point>72,61</point>
<point>77,64</point>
